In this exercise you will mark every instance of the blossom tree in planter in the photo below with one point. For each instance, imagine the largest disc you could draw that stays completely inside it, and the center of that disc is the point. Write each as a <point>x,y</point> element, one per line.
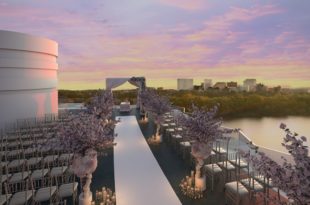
<point>157,106</point>
<point>86,134</point>
<point>202,128</point>
<point>292,178</point>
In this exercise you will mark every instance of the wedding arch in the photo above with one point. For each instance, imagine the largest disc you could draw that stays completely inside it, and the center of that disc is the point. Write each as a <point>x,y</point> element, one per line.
<point>139,82</point>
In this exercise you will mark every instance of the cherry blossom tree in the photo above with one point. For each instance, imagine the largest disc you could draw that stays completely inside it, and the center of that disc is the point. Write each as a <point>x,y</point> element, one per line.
<point>292,178</point>
<point>101,105</point>
<point>81,132</point>
<point>86,134</point>
<point>202,128</point>
<point>157,106</point>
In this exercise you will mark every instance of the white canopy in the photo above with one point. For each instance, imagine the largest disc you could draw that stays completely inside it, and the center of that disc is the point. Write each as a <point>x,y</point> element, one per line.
<point>136,81</point>
<point>115,82</point>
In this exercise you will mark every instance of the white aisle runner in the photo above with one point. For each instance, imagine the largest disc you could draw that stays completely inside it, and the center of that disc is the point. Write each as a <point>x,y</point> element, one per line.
<point>138,178</point>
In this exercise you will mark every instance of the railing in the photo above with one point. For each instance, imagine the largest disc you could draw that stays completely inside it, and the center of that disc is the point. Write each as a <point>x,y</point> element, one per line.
<point>241,141</point>
<point>273,154</point>
<point>32,122</point>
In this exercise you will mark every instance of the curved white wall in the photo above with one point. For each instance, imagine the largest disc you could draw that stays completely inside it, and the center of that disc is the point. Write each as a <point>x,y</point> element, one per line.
<point>28,76</point>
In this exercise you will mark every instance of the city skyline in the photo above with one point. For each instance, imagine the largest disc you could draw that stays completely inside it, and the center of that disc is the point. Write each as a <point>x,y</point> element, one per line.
<point>167,39</point>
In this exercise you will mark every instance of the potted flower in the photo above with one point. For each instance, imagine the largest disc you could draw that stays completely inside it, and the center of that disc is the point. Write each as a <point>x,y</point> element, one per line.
<point>157,106</point>
<point>85,136</point>
<point>202,128</point>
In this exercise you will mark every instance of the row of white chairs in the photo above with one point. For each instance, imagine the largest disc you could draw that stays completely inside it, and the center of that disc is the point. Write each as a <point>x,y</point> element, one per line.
<point>51,195</point>
<point>30,172</point>
<point>16,181</point>
<point>36,163</point>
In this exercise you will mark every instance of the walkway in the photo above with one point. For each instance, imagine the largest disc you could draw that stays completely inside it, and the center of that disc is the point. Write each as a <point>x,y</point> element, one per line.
<point>138,178</point>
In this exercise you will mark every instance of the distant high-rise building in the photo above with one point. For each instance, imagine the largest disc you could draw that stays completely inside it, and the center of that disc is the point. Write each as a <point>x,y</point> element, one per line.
<point>232,86</point>
<point>220,85</point>
<point>261,87</point>
<point>249,85</point>
<point>207,84</point>
<point>185,84</point>
<point>198,87</point>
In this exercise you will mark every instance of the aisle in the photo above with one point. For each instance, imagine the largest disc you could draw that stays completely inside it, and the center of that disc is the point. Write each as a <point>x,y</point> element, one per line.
<point>138,178</point>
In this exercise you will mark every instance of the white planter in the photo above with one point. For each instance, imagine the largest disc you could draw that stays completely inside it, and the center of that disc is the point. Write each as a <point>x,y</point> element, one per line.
<point>85,200</point>
<point>200,182</point>
<point>83,167</point>
<point>158,138</point>
<point>85,197</point>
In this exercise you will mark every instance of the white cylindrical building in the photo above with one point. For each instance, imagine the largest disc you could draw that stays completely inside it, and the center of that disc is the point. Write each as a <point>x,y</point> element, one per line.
<point>28,76</point>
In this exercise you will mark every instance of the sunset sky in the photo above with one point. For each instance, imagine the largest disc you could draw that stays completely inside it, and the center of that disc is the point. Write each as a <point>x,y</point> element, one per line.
<point>168,39</point>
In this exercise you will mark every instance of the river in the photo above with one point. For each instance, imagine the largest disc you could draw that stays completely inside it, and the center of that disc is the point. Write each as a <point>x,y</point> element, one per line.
<point>266,132</point>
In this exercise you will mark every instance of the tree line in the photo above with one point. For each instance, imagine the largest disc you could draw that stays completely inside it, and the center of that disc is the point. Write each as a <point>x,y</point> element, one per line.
<point>231,105</point>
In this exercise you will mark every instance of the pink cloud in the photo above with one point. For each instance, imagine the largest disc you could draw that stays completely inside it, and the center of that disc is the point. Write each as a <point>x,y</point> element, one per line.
<point>91,51</point>
<point>283,37</point>
<point>219,27</point>
<point>242,14</point>
<point>190,5</point>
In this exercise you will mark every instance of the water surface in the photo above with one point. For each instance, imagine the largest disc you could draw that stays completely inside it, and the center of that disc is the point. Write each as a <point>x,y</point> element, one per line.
<point>266,132</point>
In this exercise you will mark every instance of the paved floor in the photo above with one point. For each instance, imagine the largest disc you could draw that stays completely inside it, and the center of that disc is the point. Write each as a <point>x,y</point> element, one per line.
<point>175,169</point>
<point>139,180</point>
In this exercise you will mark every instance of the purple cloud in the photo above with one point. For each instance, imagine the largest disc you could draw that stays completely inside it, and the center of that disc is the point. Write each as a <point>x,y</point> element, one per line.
<point>163,39</point>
